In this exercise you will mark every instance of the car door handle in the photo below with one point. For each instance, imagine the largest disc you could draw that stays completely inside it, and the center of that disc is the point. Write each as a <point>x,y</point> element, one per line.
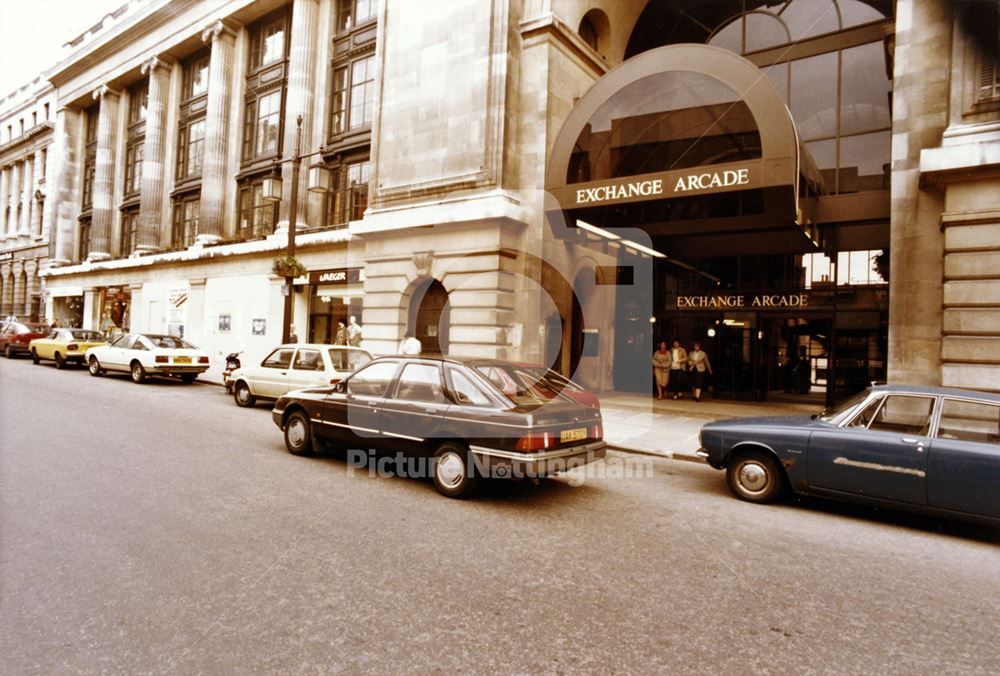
<point>919,443</point>
<point>372,404</point>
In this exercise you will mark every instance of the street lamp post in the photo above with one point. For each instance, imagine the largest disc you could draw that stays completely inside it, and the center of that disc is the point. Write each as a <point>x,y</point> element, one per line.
<point>272,192</point>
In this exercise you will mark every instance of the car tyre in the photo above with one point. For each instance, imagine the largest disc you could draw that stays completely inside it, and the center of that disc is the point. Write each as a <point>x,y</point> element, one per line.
<point>94,367</point>
<point>454,477</point>
<point>138,373</point>
<point>298,435</point>
<point>60,362</point>
<point>7,352</point>
<point>35,359</point>
<point>243,396</point>
<point>755,476</point>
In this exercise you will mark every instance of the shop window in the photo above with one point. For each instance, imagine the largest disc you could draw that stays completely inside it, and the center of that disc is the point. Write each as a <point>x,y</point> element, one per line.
<point>187,210</point>
<point>257,216</point>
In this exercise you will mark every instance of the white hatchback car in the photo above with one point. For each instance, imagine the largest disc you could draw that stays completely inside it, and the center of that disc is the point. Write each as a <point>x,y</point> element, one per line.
<point>148,354</point>
<point>295,367</point>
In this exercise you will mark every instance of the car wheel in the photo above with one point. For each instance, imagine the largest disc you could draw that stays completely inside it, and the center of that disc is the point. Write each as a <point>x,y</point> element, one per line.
<point>34,357</point>
<point>94,367</point>
<point>188,378</point>
<point>453,475</point>
<point>7,352</point>
<point>298,436</point>
<point>138,373</point>
<point>242,395</point>
<point>60,362</point>
<point>755,476</point>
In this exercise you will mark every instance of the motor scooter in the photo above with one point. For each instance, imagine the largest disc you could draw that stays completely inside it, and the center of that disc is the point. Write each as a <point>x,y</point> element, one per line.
<point>232,363</point>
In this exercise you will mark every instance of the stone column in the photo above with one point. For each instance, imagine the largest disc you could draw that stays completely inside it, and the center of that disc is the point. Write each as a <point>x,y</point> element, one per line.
<point>91,303</point>
<point>151,199</point>
<point>20,292</point>
<point>107,123</point>
<point>299,101</point>
<point>4,201</point>
<point>195,329</point>
<point>214,177</point>
<point>39,190</point>
<point>65,197</point>
<point>27,197</point>
<point>15,201</point>
<point>136,312</point>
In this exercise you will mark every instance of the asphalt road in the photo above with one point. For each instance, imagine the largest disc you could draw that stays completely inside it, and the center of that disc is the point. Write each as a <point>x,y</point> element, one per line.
<point>159,528</point>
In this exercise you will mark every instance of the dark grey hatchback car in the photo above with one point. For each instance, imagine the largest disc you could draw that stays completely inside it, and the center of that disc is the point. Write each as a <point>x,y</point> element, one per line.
<point>470,418</point>
<point>926,449</point>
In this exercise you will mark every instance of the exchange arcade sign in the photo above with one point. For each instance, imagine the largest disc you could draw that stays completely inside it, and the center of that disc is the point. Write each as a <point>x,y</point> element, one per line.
<point>740,301</point>
<point>669,184</point>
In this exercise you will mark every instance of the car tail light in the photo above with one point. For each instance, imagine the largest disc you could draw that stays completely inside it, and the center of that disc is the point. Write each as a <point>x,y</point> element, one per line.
<point>161,359</point>
<point>535,441</point>
<point>202,360</point>
<point>597,431</point>
<point>72,346</point>
<point>334,381</point>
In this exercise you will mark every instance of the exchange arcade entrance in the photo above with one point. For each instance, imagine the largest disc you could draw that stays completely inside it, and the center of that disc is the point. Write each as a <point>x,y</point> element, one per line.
<point>688,156</point>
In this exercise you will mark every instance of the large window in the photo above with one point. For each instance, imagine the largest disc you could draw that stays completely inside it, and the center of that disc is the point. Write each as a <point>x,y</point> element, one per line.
<point>89,157</point>
<point>133,167</point>
<point>191,126</point>
<point>351,13</point>
<point>265,90</point>
<point>348,192</point>
<point>257,216</point>
<point>353,99</point>
<point>187,210</point>
<point>130,225</point>
<point>84,244</point>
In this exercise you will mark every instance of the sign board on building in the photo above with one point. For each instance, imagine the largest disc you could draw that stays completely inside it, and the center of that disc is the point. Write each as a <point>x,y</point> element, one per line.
<point>742,301</point>
<point>337,276</point>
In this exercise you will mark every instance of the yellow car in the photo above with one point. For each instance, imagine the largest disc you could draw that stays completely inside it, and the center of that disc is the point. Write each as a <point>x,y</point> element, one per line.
<point>65,345</point>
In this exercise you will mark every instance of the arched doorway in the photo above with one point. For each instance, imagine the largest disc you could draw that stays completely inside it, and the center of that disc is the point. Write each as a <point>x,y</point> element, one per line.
<point>428,316</point>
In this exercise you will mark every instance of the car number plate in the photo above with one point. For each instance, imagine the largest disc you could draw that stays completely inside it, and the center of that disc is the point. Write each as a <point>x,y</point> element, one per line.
<point>573,435</point>
<point>182,360</point>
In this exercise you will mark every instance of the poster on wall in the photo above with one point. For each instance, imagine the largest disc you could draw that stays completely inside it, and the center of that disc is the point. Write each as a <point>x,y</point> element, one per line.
<point>225,323</point>
<point>178,299</point>
<point>259,327</point>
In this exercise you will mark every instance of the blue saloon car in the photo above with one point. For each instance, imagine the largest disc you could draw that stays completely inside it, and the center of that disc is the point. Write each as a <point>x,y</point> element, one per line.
<point>926,449</point>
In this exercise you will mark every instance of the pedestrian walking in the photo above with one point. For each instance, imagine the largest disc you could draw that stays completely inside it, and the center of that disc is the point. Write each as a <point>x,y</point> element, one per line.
<point>410,345</point>
<point>678,365</point>
<point>353,332</point>
<point>698,364</point>
<point>661,369</point>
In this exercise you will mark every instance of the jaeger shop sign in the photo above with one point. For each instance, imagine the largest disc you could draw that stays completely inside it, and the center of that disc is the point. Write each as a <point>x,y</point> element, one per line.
<point>336,276</point>
<point>669,184</point>
<point>740,301</point>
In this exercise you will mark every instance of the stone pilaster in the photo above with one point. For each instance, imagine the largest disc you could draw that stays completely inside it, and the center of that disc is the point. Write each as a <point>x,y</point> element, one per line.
<point>17,306</point>
<point>15,201</point>
<point>38,196</point>
<point>151,200</point>
<point>299,100</point>
<point>214,175</point>
<point>4,199</point>
<point>65,197</point>
<point>107,123</point>
<point>27,198</point>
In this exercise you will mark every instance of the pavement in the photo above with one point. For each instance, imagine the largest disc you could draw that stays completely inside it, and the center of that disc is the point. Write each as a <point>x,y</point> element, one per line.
<point>670,427</point>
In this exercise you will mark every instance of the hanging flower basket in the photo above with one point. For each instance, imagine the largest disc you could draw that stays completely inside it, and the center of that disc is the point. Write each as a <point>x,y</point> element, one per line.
<point>288,266</point>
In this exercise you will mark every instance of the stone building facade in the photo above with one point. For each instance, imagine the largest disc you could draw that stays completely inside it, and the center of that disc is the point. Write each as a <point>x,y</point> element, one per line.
<point>490,174</point>
<point>26,124</point>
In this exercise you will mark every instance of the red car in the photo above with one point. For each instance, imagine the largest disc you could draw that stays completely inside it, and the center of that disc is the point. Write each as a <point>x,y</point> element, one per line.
<point>15,336</point>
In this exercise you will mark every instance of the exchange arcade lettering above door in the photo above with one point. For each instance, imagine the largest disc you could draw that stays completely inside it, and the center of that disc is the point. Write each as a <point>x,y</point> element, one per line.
<point>738,301</point>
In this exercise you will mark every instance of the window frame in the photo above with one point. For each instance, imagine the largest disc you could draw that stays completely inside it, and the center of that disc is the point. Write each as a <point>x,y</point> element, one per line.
<point>180,204</point>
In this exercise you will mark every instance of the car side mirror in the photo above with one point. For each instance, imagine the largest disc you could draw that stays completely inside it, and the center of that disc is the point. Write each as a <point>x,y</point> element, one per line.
<point>461,398</point>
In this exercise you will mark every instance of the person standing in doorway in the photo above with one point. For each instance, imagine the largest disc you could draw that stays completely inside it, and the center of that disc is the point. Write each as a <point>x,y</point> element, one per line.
<point>678,365</point>
<point>410,345</point>
<point>698,364</point>
<point>341,335</point>
<point>661,369</point>
<point>353,332</point>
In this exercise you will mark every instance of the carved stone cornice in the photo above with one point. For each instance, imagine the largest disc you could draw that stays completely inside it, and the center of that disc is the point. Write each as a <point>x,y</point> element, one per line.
<point>222,28</point>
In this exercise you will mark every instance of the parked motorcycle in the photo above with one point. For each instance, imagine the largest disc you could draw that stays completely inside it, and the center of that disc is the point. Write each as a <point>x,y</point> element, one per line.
<point>232,363</point>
